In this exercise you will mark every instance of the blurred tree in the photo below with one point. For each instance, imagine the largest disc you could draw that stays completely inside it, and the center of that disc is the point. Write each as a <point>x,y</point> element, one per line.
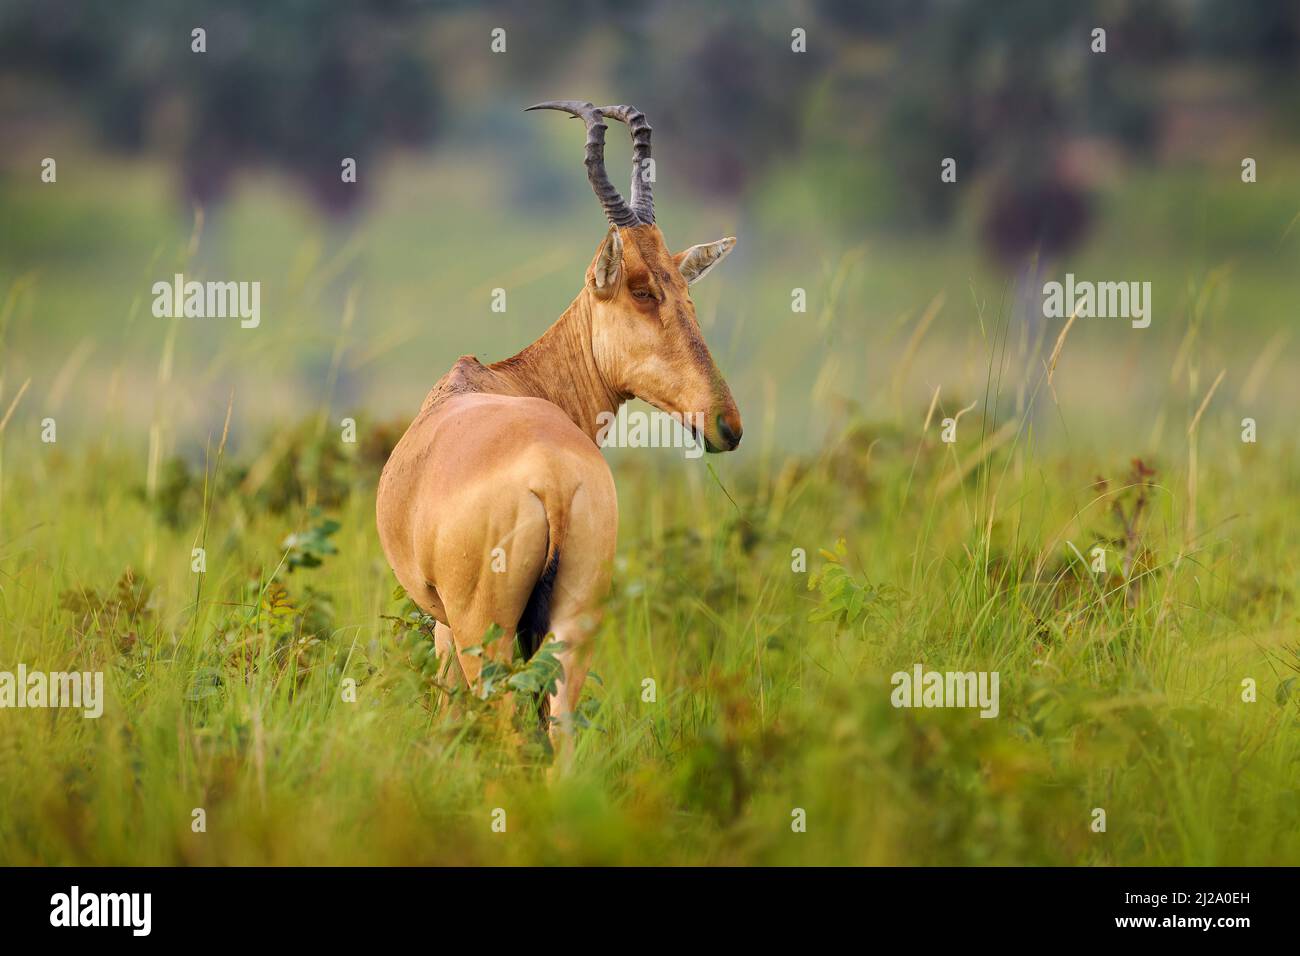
<point>294,85</point>
<point>718,79</point>
<point>1003,88</point>
<point>743,93</point>
<point>1267,33</point>
<point>884,91</point>
<point>1009,89</point>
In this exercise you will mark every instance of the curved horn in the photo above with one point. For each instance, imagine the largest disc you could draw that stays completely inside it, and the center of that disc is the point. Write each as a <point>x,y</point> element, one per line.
<point>616,209</point>
<point>643,200</point>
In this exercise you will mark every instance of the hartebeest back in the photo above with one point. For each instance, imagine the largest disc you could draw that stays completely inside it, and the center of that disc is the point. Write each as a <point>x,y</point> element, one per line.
<point>496,507</point>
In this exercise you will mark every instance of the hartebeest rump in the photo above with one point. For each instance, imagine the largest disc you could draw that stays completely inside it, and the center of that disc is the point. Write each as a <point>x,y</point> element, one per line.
<point>497,507</point>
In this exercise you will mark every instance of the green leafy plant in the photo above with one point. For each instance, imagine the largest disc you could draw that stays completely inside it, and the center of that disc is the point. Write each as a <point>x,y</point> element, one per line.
<point>307,549</point>
<point>842,598</point>
<point>123,616</point>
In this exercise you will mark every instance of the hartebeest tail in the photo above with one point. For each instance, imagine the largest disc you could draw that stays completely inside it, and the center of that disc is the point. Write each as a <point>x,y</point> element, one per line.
<point>496,507</point>
<point>535,623</point>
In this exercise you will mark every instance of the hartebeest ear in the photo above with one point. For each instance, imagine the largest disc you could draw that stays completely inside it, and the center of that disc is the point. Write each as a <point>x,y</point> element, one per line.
<point>609,259</point>
<point>696,261</point>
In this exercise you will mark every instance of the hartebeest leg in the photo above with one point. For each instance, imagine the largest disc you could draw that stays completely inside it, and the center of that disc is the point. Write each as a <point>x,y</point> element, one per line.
<point>469,666</point>
<point>576,660</point>
<point>449,670</point>
<point>581,584</point>
<point>487,556</point>
<point>453,666</point>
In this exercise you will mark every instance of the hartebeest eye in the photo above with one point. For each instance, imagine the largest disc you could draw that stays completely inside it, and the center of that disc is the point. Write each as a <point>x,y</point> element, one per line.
<point>642,294</point>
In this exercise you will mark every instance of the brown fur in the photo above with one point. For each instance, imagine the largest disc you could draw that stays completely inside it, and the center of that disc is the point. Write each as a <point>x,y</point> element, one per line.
<point>503,456</point>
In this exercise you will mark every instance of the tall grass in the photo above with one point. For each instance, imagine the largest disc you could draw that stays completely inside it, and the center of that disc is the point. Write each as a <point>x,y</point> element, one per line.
<point>1119,690</point>
<point>768,595</point>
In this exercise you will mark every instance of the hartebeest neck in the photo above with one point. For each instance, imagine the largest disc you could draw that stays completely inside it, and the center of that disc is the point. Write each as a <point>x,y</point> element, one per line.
<point>561,368</point>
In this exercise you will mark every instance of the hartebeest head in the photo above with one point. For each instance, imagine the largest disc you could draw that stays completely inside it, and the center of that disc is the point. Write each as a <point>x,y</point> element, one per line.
<point>645,338</point>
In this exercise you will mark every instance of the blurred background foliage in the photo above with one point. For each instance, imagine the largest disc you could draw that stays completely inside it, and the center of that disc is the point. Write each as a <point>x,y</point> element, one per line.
<point>826,164</point>
<point>1006,88</point>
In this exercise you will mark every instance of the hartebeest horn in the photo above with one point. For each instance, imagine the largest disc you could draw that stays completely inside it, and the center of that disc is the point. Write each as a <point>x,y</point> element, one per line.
<point>616,208</point>
<point>643,200</point>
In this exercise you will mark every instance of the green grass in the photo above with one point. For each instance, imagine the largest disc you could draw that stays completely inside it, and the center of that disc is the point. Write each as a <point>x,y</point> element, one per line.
<point>224,690</point>
<point>772,685</point>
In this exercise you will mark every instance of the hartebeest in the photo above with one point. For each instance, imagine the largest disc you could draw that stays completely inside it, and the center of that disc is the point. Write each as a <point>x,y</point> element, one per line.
<point>496,507</point>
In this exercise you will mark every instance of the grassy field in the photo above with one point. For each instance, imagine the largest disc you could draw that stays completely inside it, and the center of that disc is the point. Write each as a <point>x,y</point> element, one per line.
<point>1118,691</point>
<point>769,594</point>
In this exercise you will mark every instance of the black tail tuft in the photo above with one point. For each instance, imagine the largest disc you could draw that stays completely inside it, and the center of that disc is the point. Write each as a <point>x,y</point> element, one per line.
<point>535,622</point>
